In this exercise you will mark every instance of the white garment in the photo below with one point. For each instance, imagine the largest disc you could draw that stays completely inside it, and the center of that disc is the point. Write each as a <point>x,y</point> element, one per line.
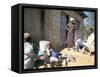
<point>90,40</point>
<point>27,49</point>
<point>53,59</point>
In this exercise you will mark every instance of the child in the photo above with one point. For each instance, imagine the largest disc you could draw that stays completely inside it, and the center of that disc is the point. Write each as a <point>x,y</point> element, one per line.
<point>54,57</point>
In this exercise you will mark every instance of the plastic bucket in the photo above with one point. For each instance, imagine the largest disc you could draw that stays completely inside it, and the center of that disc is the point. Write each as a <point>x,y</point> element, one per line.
<point>43,45</point>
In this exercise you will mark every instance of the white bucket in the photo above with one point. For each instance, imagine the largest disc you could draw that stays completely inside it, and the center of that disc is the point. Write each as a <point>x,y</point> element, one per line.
<point>43,45</point>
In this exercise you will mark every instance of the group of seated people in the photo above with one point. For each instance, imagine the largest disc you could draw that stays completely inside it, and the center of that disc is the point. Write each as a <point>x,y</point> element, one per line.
<point>32,58</point>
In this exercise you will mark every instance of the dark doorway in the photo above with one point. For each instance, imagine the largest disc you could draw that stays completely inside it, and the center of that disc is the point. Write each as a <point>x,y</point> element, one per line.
<point>63,31</point>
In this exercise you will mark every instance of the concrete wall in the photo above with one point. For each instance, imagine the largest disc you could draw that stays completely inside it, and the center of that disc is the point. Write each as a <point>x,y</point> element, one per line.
<point>52,27</point>
<point>32,23</point>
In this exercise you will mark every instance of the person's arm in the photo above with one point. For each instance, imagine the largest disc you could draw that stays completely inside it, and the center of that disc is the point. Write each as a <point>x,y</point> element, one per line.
<point>85,44</point>
<point>70,27</point>
<point>66,28</point>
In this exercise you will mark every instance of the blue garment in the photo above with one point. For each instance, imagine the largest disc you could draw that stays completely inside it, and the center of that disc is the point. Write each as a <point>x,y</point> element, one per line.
<point>54,53</point>
<point>79,44</point>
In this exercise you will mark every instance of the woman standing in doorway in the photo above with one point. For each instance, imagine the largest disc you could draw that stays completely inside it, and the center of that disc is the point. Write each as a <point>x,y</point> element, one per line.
<point>71,27</point>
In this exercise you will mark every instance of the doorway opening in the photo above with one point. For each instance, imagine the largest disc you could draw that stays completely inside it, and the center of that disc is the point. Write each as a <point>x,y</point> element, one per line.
<point>63,31</point>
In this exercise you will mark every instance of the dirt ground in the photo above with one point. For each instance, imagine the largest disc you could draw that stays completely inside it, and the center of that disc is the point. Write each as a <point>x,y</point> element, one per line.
<point>81,59</point>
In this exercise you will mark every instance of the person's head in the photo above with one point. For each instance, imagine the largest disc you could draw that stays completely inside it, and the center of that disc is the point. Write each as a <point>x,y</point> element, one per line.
<point>90,30</point>
<point>27,37</point>
<point>73,21</point>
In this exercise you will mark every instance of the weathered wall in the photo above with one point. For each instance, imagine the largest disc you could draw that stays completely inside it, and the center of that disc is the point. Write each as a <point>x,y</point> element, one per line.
<point>52,27</point>
<point>32,23</point>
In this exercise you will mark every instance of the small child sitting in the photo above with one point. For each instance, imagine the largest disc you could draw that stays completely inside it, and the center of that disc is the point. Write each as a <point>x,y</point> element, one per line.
<point>54,55</point>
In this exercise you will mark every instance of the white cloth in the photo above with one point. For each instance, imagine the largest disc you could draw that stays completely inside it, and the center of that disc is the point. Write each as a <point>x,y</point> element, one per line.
<point>27,49</point>
<point>90,40</point>
<point>53,59</point>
